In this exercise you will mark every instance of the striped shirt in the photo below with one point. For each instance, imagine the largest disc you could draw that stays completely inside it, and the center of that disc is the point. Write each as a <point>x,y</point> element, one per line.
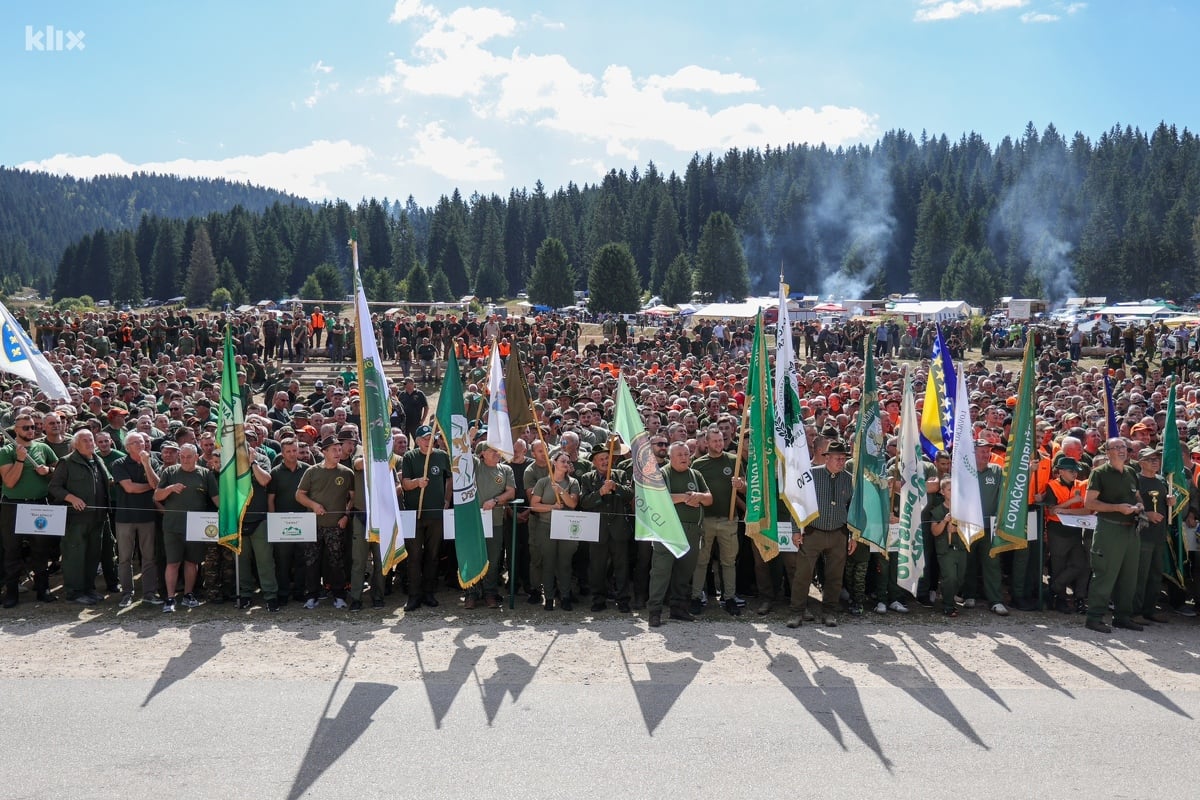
<point>833,498</point>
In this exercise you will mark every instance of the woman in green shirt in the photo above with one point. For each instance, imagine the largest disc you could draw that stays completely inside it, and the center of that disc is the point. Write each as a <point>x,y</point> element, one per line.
<point>555,491</point>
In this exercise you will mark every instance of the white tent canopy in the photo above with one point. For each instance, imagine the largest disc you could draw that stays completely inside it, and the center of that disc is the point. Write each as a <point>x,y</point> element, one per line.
<point>932,310</point>
<point>744,310</point>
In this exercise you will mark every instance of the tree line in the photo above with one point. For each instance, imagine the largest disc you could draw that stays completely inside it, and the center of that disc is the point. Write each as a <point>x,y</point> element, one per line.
<point>1036,216</point>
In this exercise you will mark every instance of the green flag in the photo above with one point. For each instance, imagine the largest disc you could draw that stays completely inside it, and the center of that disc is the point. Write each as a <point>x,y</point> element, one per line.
<point>234,484</point>
<point>761,523</point>
<point>654,514</point>
<point>469,543</point>
<point>1175,556</point>
<point>1012,518</point>
<point>870,506</point>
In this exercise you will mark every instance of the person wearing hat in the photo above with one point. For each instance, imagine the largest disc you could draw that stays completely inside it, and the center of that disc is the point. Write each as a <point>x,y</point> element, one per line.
<point>1152,538</point>
<point>827,536</point>
<point>497,487</point>
<point>116,426</point>
<point>1069,567</point>
<point>609,492</point>
<point>425,478</point>
<point>25,468</point>
<point>1113,495</point>
<point>327,489</point>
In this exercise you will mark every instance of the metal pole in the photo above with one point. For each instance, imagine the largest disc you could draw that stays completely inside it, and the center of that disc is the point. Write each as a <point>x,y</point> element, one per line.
<point>512,558</point>
<point>1041,527</point>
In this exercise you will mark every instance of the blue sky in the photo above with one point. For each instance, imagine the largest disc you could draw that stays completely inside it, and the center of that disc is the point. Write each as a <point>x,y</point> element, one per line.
<point>384,98</point>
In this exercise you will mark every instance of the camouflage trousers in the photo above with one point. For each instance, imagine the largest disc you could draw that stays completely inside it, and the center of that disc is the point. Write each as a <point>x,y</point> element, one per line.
<point>856,573</point>
<point>217,573</point>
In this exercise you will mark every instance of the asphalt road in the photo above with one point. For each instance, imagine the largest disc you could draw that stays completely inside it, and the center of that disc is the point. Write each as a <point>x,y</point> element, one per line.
<point>445,705</point>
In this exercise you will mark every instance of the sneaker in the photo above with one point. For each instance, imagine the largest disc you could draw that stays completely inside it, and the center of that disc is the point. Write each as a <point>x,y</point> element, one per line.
<point>1185,611</point>
<point>696,608</point>
<point>933,597</point>
<point>126,601</point>
<point>243,602</point>
<point>898,607</point>
<point>856,609</point>
<point>190,600</point>
<point>169,606</point>
<point>310,603</point>
<point>273,606</point>
<point>881,608</point>
<point>970,603</point>
<point>1000,610</point>
<point>339,603</point>
<point>356,605</point>
<point>152,598</point>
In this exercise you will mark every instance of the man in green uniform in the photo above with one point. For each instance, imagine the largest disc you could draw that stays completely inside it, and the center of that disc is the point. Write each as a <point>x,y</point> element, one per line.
<point>497,487</point>
<point>362,550</point>
<point>1113,495</point>
<point>25,468</point>
<point>609,492</point>
<point>327,490</point>
<point>979,560</point>
<point>256,550</point>
<point>83,483</point>
<point>425,478</point>
<point>827,536</point>
<point>281,497</point>
<point>690,495</point>
<point>135,480</point>
<point>720,522</point>
<point>1152,539</point>
<point>183,487</point>
<point>951,551</point>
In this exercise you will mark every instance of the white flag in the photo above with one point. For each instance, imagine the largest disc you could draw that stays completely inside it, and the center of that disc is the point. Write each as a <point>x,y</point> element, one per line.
<point>791,446</point>
<point>910,543</point>
<point>499,432</point>
<point>20,356</point>
<point>966,506</point>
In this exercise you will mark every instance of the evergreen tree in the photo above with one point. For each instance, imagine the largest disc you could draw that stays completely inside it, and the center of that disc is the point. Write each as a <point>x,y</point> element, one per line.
<point>126,274</point>
<point>202,270</point>
<point>613,281</point>
<point>165,263</point>
<point>677,282</point>
<point>553,280</point>
<point>720,263</point>
<point>667,245</point>
<point>418,285</point>
<point>442,291</point>
<point>454,268</point>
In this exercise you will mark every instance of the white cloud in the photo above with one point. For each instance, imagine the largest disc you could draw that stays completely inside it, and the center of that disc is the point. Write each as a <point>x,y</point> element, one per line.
<point>299,171</point>
<point>1039,16</point>
<point>462,160</point>
<point>618,109</point>
<point>1073,8</point>
<point>545,22</point>
<point>699,79</point>
<point>411,9</point>
<point>321,67</point>
<point>318,92</point>
<point>938,10</point>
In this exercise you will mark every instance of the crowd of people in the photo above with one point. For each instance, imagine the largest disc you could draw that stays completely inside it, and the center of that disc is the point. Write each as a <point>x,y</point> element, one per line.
<point>136,447</point>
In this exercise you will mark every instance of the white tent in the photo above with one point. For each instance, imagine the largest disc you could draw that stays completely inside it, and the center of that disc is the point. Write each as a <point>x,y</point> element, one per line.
<point>744,310</point>
<point>931,310</point>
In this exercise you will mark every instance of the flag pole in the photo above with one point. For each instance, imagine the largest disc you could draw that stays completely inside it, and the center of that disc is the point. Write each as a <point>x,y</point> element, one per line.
<point>737,466</point>
<point>424,475</point>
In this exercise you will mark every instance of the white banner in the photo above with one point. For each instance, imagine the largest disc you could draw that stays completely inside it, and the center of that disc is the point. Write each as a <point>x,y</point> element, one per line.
<point>41,520</point>
<point>575,526</point>
<point>408,524</point>
<point>786,543</point>
<point>202,527</point>
<point>448,523</point>
<point>1085,521</point>
<point>285,527</point>
<point>1031,526</point>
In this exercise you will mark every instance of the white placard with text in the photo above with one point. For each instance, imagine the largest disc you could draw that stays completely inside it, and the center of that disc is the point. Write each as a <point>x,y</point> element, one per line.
<point>448,523</point>
<point>35,520</point>
<point>575,526</point>
<point>202,527</point>
<point>283,527</point>
<point>786,543</point>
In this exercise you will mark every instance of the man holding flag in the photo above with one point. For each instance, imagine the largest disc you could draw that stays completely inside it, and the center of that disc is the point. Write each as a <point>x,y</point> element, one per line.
<point>870,506</point>
<point>909,549</point>
<point>791,445</point>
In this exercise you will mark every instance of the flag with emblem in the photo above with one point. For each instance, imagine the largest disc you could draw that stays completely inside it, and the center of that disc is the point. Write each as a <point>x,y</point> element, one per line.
<point>469,544</point>
<point>234,479</point>
<point>379,481</point>
<point>966,505</point>
<point>937,413</point>
<point>870,505</point>
<point>794,462</point>
<point>21,357</point>
<point>1175,556</point>
<point>520,409</point>
<point>499,432</point>
<point>1012,518</point>
<point>761,523</point>
<point>654,514</point>
<point>910,543</point>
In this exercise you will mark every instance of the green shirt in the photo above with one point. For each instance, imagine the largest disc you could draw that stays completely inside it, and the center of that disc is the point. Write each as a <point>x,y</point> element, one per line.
<point>493,482</point>
<point>1115,486</point>
<point>689,480</point>
<point>331,488</point>
<point>30,486</point>
<point>201,487</point>
<point>718,474</point>
<point>991,481</point>
<point>412,467</point>
<point>283,486</point>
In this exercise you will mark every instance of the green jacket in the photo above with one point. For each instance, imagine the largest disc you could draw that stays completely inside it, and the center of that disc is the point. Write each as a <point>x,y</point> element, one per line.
<point>73,475</point>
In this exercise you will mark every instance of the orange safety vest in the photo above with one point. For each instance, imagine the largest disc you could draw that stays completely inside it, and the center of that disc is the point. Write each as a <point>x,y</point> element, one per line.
<point>316,322</point>
<point>505,349</point>
<point>1070,496</point>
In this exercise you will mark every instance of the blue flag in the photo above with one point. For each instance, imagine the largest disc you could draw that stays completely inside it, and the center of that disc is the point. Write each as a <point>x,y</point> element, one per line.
<point>937,414</point>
